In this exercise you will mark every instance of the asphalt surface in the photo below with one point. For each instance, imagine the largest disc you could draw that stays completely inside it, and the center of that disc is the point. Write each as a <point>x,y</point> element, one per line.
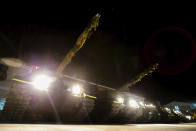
<point>131,127</point>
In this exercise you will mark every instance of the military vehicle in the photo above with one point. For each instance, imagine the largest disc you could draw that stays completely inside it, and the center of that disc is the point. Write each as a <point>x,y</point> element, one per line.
<point>32,99</point>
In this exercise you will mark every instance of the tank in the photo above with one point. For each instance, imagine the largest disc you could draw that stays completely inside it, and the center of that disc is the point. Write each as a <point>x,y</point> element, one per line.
<point>60,103</point>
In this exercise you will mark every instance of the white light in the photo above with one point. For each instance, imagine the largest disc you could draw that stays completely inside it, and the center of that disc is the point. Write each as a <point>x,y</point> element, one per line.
<point>120,100</point>
<point>188,117</point>
<point>177,112</point>
<point>42,82</point>
<point>133,103</point>
<point>76,90</point>
<point>150,105</point>
<point>167,109</point>
<point>141,103</point>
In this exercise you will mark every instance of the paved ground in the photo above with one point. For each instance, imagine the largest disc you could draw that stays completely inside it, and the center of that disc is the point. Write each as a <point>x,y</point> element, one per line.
<point>131,127</point>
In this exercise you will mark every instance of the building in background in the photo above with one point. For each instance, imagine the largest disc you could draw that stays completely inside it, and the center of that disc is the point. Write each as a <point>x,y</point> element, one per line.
<point>2,103</point>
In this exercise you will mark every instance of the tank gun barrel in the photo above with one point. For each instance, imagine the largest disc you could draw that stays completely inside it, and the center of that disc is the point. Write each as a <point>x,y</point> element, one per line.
<point>92,26</point>
<point>139,77</point>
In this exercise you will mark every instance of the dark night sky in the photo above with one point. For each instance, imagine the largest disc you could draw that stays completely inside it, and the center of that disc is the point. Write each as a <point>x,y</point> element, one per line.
<point>115,52</point>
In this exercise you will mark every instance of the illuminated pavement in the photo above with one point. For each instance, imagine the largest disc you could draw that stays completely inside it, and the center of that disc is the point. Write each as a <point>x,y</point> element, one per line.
<point>131,127</point>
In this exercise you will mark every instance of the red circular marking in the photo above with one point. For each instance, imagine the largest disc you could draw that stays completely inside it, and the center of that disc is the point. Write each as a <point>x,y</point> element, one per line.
<point>148,51</point>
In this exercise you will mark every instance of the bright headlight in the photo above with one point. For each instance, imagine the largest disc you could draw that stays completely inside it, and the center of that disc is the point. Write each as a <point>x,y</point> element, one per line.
<point>76,90</point>
<point>141,103</point>
<point>133,103</point>
<point>120,100</point>
<point>42,82</point>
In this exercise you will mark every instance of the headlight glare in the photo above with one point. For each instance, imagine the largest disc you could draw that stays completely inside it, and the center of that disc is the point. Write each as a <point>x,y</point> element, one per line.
<point>120,100</point>
<point>76,90</point>
<point>42,82</point>
<point>133,104</point>
<point>141,103</point>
